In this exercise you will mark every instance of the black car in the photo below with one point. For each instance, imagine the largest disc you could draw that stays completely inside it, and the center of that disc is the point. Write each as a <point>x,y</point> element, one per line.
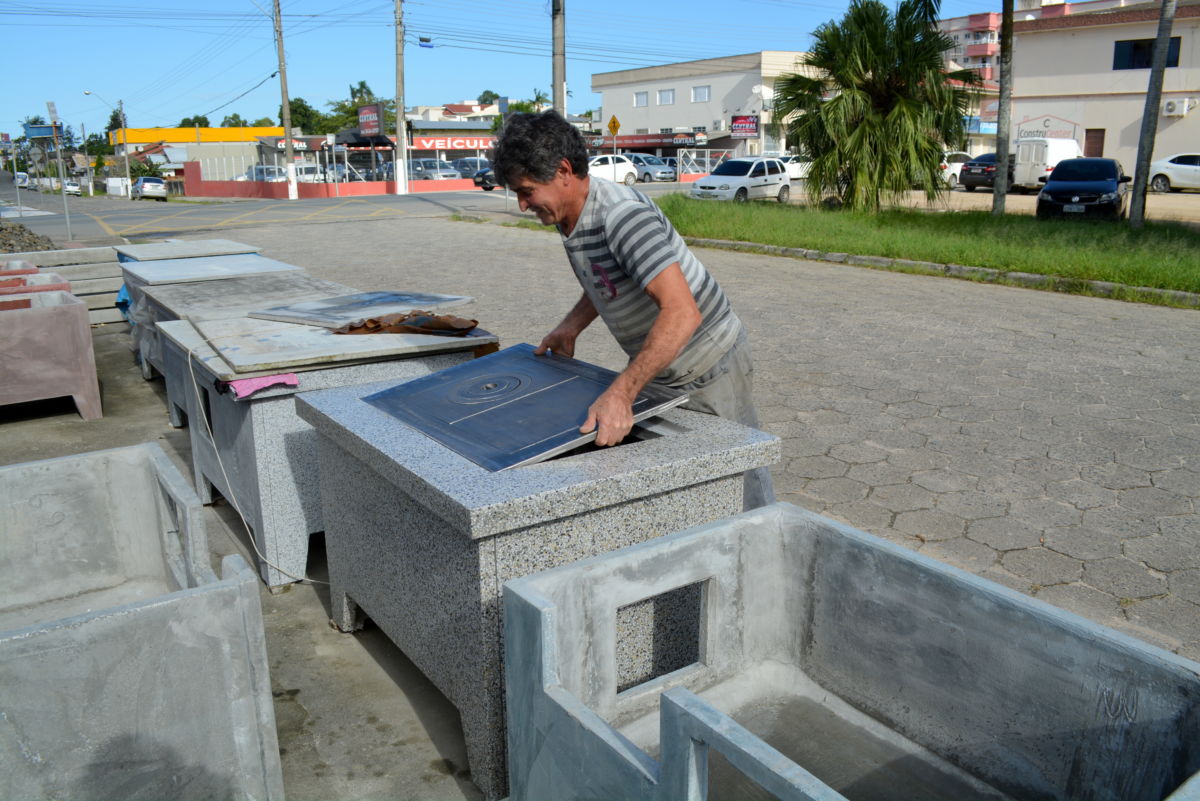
<point>468,167</point>
<point>981,171</point>
<point>1087,187</point>
<point>485,179</point>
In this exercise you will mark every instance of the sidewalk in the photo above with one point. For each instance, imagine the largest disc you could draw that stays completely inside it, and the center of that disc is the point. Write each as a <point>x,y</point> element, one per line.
<point>1049,442</point>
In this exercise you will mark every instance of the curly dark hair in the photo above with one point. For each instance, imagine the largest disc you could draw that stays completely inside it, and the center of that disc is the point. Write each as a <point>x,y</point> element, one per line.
<point>534,145</point>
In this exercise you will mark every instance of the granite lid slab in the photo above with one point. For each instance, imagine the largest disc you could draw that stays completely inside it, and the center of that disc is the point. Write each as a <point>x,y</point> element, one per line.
<point>202,268</point>
<point>511,408</point>
<point>234,297</point>
<point>182,249</point>
<point>248,345</point>
<point>481,503</point>
<point>338,311</point>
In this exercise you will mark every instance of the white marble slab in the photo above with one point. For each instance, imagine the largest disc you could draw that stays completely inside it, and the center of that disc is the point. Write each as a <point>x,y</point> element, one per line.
<point>336,312</point>
<point>249,345</point>
<point>202,268</point>
<point>184,249</point>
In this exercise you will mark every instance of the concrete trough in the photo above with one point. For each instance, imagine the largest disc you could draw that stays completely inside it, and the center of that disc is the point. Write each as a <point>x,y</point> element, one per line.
<point>41,282</point>
<point>834,665</point>
<point>127,668</point>
<point>421,539</point>
<point>46,351</point>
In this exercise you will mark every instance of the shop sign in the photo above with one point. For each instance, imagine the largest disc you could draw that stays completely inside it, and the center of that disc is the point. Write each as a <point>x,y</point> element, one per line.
<point>370,120</point>
<point>744,126</point>
<point>1048,126</point>
<point>453,142</point>
<point>297,144</point>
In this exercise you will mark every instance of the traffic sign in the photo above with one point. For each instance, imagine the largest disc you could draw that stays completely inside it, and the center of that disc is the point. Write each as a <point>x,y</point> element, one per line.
<point>614,125</point>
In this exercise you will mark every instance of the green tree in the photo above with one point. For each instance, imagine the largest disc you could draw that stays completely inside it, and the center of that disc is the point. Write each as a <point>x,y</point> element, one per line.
<point>539,99</point>
<point>139,168</point>
<point>344,113</point>
<point>487,97</point>
<point>513,107</point>
<point>189,122</point>
<point>307,118</point>
<point>98,164</point>
<point>361,94</point>
<point>114,121</point>
<point>880,108</point>
<point>98,144</point>
<point>233,121</point>
<point>263,122</point>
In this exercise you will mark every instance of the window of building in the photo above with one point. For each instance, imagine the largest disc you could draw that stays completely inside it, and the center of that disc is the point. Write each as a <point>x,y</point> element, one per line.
<point>642,131</point>
<point>641,99</point>
<point>699,129</point>
<point>1136,54</point>
<point>701,94</point>
<point>666,97</point>
<point>666,130</point>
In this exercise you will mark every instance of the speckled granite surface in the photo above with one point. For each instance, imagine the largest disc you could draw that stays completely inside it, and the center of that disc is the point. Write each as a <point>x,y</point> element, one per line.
<point>422,540</point>
<point>263,458</point>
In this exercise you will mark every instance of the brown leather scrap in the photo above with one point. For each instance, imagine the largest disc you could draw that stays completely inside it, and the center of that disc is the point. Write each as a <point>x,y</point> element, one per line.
<point>414,322</point>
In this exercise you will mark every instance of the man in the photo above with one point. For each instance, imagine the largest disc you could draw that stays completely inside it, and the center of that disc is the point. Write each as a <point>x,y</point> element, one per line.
<point>665,310</point>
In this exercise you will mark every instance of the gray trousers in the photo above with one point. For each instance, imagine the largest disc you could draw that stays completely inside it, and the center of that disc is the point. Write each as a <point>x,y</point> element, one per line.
<point>727,391</point>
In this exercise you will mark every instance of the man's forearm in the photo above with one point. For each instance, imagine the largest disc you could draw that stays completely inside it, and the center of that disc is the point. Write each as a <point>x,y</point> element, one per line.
<point>672,330</point>
<point>580,316</point>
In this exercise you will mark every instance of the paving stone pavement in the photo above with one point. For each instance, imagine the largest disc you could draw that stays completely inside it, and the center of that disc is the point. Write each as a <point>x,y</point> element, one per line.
<point>1048,442</point>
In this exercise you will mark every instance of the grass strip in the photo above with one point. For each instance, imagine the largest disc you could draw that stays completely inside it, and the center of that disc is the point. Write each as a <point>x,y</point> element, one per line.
<point>1161,255</point>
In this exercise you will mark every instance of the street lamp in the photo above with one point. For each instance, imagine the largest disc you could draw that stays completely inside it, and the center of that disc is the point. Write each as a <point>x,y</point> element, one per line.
<point>120,109</point>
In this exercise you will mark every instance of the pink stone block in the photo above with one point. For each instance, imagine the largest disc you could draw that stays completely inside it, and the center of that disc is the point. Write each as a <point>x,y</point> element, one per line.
<point>24,284</point>
<point>47,352</point>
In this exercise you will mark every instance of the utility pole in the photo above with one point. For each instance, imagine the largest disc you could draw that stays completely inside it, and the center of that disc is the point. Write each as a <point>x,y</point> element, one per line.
<point>1137,206</point>
<point>87,159</point>
<point>1003,110</point>
<point>62,178</point>
<point>401,172</point>
<point>286,109</point>
<point>125,148</point>
<point>559,67</point>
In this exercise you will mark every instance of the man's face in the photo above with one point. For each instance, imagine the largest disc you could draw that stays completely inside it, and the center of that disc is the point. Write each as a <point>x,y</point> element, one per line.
<point>552,201</point>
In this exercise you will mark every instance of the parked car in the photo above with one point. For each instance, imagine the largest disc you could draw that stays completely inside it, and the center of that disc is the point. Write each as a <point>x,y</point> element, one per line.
<point>145,187</point>
<point>310,173</point>
<point>981,171</point>
<point>618,169</point>
<point>952,164</point>
<point>671,162</point>
<point>485,179</point>
<point>651,168</point>
<point>1084,187</point>
<point>71,187</point>
<point>431,170</point>
<point>1181,171</point>
<point>467,168</point>
<point>797,166</point>
<point>264,172</point>
<point>745,179</point>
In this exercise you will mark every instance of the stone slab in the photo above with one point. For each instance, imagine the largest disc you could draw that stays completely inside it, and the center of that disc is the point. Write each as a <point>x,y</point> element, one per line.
<point>182,249</point>
<point>201,268</point>
<point>338,311</point>
<point>61,258</point>
<point>250,345</point>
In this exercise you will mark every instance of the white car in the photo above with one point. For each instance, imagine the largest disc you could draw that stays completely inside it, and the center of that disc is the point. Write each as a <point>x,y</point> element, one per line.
<point>1181,171</point>
<point>618,169</point>
<point>739,180</point>
<point>72,187</point>
<point>797,166</point>
<point>952,166</point>
<point>145,187</point>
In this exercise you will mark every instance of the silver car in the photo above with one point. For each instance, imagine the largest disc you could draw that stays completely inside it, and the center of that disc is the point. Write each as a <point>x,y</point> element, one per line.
<point>431,170</point>
<point>145,187</point>
<point>651,168</point>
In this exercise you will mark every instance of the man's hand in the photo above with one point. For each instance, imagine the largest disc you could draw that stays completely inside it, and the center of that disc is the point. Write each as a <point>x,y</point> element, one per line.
<point>612,412</point>
<point>561,340</point>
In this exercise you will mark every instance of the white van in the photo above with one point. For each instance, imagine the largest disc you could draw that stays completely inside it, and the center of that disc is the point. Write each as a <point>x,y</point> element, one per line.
<point>310,173</point>
<point>1038,156</point>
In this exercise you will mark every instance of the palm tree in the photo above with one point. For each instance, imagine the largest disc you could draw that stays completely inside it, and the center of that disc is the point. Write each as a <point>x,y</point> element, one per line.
<point>876,107</point>
<point>361,93</point>
<point>539,99</point>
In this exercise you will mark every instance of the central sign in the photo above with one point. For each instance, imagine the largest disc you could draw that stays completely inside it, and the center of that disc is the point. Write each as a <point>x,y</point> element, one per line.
<point>370,119</point>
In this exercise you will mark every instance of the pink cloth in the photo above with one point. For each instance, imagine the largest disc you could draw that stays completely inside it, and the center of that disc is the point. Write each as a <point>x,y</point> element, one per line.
<point>245,387</point>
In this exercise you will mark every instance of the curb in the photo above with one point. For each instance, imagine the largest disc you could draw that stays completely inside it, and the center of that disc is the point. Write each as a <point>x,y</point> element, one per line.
<point>1104,289</point>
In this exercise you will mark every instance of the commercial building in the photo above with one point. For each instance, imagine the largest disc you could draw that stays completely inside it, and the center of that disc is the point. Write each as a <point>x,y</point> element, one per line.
<point>715,103</point>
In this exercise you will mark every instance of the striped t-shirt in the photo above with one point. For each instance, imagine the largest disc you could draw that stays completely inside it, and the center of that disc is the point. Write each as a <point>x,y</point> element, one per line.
<point>620,243</point>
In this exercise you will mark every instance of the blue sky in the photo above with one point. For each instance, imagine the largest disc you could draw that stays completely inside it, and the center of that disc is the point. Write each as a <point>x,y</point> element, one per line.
<point>170,59</point>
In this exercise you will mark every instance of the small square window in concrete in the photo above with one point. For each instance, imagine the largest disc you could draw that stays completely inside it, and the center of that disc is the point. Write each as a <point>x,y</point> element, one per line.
<point>659,635</point>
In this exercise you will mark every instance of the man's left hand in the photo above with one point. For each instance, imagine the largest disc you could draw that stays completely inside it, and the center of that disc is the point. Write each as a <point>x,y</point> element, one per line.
<point>611,416</point>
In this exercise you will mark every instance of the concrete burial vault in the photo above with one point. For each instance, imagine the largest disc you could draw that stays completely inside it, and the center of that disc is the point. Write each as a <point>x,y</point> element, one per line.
<point>828,665</point>
<point>421,538</point>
